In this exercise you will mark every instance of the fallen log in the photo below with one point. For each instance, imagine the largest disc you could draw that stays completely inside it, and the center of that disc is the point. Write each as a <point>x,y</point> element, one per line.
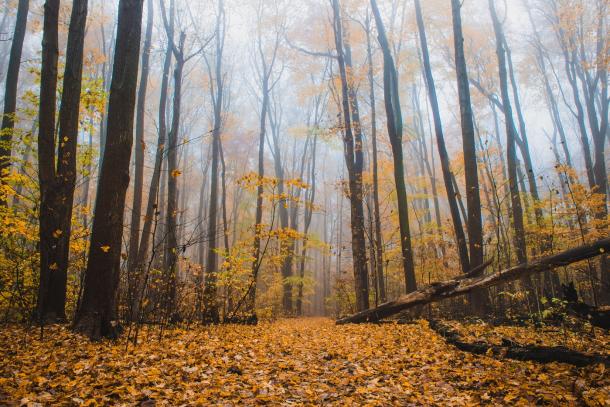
<point>516,351</point>
<point>597,316</point>
<point>465,284</point>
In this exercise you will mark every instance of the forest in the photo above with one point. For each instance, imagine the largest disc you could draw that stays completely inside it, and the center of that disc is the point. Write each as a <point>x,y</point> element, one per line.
<point>312,202</point>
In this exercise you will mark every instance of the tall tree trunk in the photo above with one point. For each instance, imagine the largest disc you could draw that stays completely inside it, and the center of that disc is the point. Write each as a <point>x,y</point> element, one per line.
<point>306,223</point>
<point>474,221</point>
<point>65,182</point>
<point>140,146</point>
<point>46,155</point>
<point>155,199</point>
<point>354,162</point>
<point>440,142</point>
<point>378,242</point>
<point>96,315</point>
<point>210,300</point>
<point>171,246</point>
<point>285,217</point>
<point>394,124</point>
<point>10,91</point>
<point>511,152</point>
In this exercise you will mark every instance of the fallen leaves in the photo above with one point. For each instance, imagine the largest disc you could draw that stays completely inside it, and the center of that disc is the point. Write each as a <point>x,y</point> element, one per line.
<point>305,361</point>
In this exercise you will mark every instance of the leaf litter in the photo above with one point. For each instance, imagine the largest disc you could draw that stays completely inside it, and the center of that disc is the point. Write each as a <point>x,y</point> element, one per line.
<point>291,362</point>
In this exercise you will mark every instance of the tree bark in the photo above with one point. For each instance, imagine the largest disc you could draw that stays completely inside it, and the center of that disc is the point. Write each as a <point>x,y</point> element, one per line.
<point>140,147</point>
<point>354,162</point>
<point>394,124</point>
<point>378,241</point>
<point>517,211</point>
<point>210,300</point>
<point>473,199</point>
<point>467,282</point>
<point>440,142</point>
<point>96,315</point>
<point>46,153</point>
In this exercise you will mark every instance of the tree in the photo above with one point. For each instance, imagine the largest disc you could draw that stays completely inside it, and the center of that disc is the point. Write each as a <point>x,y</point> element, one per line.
<point>394,124</point>
<point>96,315</point>
<point>10,91</point>
<point>511,152</point>
<point>440,142</point>
<point>140,146</point>
<point>267,83</point>
<point>378,243</point>
<point>354,160</point>
<point>474,220</point>
<point>210,302</point>
<point>58,178</point>
<point>46,148</point>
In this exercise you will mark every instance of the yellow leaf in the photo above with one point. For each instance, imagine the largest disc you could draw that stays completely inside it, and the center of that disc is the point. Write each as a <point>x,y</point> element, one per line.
<point>105,249</point>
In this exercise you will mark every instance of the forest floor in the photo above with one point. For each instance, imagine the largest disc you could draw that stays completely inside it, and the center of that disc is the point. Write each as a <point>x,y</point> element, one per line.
<point>293,362</point>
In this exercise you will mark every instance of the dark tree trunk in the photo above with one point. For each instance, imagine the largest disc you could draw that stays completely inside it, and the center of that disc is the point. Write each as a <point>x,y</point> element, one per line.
<point>10,90</point>
<point>511,152</point>
<point>46,155</point>
<point>440,142</point>
<point>285,217</point>
<point>474,221</point>
<point>394,124</point>
<point>354,162</point>
<point>378,241</point>
<point>96,315</point>
<point>154,198</point>
<point>307,222</point>
<point>466,282</point>
<point>210,300</point>
<point>171,247</point>
<point>140,146</point>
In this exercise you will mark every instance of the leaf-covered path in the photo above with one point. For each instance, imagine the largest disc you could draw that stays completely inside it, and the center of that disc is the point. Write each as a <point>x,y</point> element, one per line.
<point>300,362</point>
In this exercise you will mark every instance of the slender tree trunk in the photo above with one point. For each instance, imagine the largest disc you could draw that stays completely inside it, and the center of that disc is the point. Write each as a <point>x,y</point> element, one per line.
<point>306,224</point>
<point>10,91</point>
<point>96,315</point>
<point>155,198</point>
<point>210,300</point>
<point>354,161</point>
<point>171,247</point>
<point>140,146</point>
<point>378,242</point>
<point>516,208</point>
<point>394,124</point>
<point>46,155</point>
<point>440,142</point>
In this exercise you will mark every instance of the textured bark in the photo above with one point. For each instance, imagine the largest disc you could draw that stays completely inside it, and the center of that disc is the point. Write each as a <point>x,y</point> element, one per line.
<point>378,242</point>
<point>140,146</point>
<point>153,204</point>
<point>46,151</point>
<point>394,124</point>
<point>96,315</point>
<point>210,301</point>
<point>309,202</point>
<point>517,211</point>
<point>285,218</point>
<point>10,91</point>
<point>474,220</point>
<point>354,162</point>
<point>516,351</point>
<point>467,282</point>
<point>440,142</point>
<point>171,246</point>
